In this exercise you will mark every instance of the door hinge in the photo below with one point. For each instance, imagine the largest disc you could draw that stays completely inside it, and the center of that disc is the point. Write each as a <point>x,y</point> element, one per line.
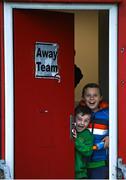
<point>121,169</point>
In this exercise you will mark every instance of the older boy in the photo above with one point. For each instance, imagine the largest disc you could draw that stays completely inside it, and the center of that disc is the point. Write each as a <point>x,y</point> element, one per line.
<point>99,126</point>
<point>83,141</point>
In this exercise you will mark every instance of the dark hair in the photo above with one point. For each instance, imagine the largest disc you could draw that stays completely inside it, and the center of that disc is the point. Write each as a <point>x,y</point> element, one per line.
<point>83,110</point>
<point>77,75</point>
<point>91,85</point>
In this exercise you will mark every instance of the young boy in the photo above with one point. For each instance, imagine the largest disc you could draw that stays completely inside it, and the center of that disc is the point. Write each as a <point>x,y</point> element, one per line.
<point>83,141</point>
<point>99,126</point>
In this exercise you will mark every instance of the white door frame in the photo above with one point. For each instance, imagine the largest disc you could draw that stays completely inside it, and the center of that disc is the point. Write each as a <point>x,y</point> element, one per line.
<point>9,93</point>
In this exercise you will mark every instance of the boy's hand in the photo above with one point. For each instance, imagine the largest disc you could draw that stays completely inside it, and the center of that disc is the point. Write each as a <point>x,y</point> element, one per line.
<point>106,140</point>
<point>74,133</point>
<point>94,147</point>
<point>98,146</point>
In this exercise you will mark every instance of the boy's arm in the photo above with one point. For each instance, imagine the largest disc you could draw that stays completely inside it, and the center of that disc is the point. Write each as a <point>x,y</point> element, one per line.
<point>84,145</point>
<point>98,146</point>
<point>103,144</point>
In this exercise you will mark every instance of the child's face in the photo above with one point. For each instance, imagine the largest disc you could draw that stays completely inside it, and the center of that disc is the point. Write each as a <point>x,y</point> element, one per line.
<point>92,98</point>
<point>82,121</point>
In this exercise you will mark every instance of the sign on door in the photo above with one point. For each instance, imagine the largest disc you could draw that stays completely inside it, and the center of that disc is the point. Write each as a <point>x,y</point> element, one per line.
<point>46,58</point>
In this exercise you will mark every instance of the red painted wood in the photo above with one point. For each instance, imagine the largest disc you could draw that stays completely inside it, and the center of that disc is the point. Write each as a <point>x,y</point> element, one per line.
<point>2,130</point>
<point>43,148</point>
<point>122,81</point>
<point>68,1</point>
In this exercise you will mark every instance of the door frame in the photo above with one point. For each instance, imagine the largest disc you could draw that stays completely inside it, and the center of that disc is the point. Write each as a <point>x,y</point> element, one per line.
<point>9,85</point>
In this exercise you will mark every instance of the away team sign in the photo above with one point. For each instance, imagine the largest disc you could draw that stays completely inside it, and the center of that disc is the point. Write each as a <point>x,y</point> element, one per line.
<point>46,60</point>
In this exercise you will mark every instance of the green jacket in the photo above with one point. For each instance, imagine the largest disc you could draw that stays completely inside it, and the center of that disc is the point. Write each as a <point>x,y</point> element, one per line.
<point>83,148</point>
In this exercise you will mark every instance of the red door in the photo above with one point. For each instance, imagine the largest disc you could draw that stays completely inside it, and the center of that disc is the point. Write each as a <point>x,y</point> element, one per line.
<point>122,82</point>
<point>42,107</point>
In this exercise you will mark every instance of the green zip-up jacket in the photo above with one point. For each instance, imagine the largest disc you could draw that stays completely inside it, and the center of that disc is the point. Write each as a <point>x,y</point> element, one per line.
<point>83,148</point>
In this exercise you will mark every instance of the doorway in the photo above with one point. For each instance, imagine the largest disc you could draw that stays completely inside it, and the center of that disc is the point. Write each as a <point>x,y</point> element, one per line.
<point>92,49</point>
<point>9,103</point>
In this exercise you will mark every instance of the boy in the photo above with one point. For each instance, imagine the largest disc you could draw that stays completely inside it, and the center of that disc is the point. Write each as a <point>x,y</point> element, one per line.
<point>99,126</point>
<point>83,141</point>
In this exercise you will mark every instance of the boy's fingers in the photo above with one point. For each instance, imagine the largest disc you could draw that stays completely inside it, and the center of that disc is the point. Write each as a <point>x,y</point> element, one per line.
<point>106,140</point>
<point>74,133</point>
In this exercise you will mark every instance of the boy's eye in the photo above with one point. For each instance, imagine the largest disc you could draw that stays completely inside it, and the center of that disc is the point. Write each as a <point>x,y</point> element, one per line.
<point>95,95</point>
<point>89,95</point>
<point>86,121</point>
<point>79,119</point>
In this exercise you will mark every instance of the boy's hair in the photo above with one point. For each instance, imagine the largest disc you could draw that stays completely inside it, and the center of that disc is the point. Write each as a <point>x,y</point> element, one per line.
<point>77,75</point>
<point>91,85</point>
<point>83,110</point>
